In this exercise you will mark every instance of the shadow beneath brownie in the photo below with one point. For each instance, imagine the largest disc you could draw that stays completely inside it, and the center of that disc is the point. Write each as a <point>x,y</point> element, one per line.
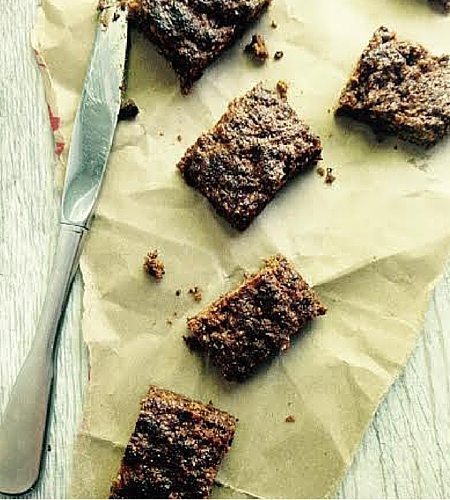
<point>416,156</point>
<point>148,70</point>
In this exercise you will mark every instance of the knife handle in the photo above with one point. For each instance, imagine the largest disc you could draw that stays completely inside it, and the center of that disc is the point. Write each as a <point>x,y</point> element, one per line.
<point>24,422</point>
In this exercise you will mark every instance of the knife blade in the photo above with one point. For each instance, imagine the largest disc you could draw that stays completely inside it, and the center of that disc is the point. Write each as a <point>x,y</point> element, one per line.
<point>24,423</point>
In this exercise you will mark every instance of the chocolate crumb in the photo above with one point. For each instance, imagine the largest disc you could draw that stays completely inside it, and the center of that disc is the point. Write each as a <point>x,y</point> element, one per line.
<point>115,16</point>
<point>257,48</point>
<point>179,137</point>
<point>178,293</point>
<point>278,55</point>
<point>282,89</point>
<point>154,266</point>
<point>196,293</point>
<point>329,178</point>
<point>128,110</point>
<point>290,419</point>
<point>161,133</point>
<point>49,447</point>
<point>169,322</point>
<point>274,24</point>
<point>320,171</point>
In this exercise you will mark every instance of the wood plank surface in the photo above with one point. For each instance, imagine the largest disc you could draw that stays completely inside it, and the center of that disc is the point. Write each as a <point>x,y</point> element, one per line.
<point>406,450</point>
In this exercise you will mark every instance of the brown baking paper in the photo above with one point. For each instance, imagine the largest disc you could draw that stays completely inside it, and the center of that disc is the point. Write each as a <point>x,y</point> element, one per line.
<point>372,244</point>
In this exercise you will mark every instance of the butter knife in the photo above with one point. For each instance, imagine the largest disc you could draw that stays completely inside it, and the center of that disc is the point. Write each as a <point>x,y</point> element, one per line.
<point>23,424</point>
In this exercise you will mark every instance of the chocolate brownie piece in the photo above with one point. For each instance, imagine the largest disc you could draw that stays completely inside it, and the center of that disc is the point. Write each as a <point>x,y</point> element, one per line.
<point>175,450</point>
<point>256,147</point>
<point>255,322</point>
<point>191,34</point>
<point>398,87</point>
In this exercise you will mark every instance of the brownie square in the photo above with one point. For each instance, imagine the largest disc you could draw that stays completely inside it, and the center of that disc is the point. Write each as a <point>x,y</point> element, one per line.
<point>255,148</point>
<point>398,87</point>
<point>255,322</point>
<point>191,34</point>
<point>175,450</point>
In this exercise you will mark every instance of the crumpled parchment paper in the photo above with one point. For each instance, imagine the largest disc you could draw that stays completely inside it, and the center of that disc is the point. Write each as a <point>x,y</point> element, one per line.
<point>373,245</point>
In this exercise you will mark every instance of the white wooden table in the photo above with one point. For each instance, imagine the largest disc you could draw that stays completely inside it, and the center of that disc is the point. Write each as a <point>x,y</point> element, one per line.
<point>406,450</point>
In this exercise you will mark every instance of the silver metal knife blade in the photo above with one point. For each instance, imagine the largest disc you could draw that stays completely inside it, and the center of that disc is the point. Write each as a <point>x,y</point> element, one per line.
<point>24,423</point>
<point>96,120</point>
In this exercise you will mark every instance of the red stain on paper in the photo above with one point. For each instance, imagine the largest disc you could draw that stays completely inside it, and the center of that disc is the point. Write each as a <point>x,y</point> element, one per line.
<point>59,148</point>
<point>55,121</point>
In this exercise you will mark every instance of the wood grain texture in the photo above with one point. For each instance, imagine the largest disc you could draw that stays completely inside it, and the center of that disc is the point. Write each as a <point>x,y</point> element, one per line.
<point>406,450</point>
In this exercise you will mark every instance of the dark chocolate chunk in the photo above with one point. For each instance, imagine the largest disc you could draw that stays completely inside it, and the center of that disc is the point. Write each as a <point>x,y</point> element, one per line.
<point>128,110</point>
<point>255,322</point>
<point>175,450</point>
<point>400,88</point>
<point>257,146</point>
<point>192,34</point>
<point>278,55</point>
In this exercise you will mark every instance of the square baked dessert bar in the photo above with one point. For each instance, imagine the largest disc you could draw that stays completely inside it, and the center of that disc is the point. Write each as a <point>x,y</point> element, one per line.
<point>255,322</point>
<point>257,146</point>
<point>191,34</point>
<point>400,88</point>
<point>175,450</point>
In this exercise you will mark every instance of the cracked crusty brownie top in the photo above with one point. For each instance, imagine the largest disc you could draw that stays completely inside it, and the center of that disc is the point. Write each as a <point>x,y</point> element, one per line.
<point>191,34</point>
<point>257,321</point>
<point>399,87</point>
<point>175,449</point>
<point>255,148</point>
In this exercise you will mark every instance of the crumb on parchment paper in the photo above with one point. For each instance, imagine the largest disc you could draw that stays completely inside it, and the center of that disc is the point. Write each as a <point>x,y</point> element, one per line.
<point>154,266</point>
<point>290,419</point>
<point>329,178</point>
<point>257,48</point>
<point>274,24</point>
<point>282,88</point>
<point>128,109</point>
<point>320,171</point>
<point>279,54</point>
<point>196,293</point>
